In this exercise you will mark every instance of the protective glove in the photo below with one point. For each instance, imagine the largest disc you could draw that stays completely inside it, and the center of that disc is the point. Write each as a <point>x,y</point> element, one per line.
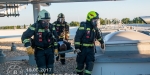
<point>56,52</point>
<point>62,34</point>
<point>77,51</point>
<point>102,46</point>
<point>66,37</point>
<point>30,50</point>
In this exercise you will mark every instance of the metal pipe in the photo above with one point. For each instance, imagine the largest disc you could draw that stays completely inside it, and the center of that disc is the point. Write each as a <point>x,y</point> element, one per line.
<point>36,9</point>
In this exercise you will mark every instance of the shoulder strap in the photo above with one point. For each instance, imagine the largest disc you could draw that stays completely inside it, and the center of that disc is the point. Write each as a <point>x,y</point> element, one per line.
<point>83,24</point>
<point>35,31</point>
<point>50,28</point>
<point>36,28</point>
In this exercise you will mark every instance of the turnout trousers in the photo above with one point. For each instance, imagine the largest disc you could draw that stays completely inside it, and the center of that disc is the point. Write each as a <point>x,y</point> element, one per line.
<point>86,56</point>
<point>44,60</point>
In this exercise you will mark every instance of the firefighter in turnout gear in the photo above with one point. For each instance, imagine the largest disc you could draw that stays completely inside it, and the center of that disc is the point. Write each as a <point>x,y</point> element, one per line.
<point>62,29</point>
<point>84,43</point>
<point>44,41</point>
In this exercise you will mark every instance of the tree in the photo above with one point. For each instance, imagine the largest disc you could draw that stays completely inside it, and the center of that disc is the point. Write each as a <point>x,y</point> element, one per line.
<point>102,22</point>
<point>137,20</point>
<point>24,26</point>
<point>74,23</point>
<point>125,20</point>
<point>18,27</point>
<point>30,24</point>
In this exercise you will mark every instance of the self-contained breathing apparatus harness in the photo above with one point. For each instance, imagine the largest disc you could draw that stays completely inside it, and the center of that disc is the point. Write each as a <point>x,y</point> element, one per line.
<point>32,40</point>
<point>83,24</point>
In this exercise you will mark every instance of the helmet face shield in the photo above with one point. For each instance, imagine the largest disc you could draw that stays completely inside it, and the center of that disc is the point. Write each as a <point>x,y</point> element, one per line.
<point>45,23</point>
<point>61,20</point>
<point>95,22</point>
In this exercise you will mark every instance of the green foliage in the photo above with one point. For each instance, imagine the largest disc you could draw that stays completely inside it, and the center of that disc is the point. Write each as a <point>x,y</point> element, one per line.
<point>74,23</point>
<point>13,27</point>
<point>7,27</point>
<point>136,20</point>
<point>126,20</point>
<point>18,27</point>
<point>102,22</point>
<point>24,26</point>
<point>105,21</point>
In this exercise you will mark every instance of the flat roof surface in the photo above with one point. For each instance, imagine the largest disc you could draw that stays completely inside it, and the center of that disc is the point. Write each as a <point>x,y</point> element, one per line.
<point>123,58</point>
<point>126,37</point>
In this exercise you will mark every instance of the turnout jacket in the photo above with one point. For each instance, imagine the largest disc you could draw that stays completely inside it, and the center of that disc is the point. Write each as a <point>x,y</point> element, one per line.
<point>43,38</point>
<point>62,30</point>
<point>86,36</point>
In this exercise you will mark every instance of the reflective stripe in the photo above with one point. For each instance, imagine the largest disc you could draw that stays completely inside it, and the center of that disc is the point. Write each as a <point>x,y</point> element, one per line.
<point>88,44</point>
<point>79,70</point>
<point>55,44</point>
<point>49,46</point>
<point>58,25</point>
<point>26,40</point>
<point>43,48</point>
<point>61,36</point>
<point>32,28</point>
<point>94,30</point>
<point>63,24</point>
<point>53,28</point>
<point>54,24</point>
<point>87,28</point>
<point>48,30</point>
<point>40,48</point>
<point>99,39</point>
<point>87,71</point>
<point>77,43</point>
<point>41,30</point>
<point>53,36</point>
<point>81,28</point>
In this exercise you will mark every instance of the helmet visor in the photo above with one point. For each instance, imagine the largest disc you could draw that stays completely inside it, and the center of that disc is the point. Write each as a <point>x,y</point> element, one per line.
<point>45,21</point>
<point>96,22</point>
<point>61,20</point>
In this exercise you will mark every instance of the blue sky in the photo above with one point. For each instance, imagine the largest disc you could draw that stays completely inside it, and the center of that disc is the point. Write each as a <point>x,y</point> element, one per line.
<point>77,11</point>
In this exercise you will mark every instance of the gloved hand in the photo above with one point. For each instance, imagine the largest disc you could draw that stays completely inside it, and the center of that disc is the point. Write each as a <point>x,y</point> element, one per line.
<point>62,34</point>
<point>77,51</point>
<point>66,38</point>
<point>56,52</point>
<point>102,46</point>
<point>30,50</point>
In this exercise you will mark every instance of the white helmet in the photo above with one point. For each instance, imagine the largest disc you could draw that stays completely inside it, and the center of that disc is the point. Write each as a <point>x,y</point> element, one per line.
<point>43,14</point>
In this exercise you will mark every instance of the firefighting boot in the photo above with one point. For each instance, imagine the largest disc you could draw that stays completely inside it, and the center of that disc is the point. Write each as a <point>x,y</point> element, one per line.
<point>57,58</point>
<point>80,73</point>
<point>86,74</point>
<point>62,61</point>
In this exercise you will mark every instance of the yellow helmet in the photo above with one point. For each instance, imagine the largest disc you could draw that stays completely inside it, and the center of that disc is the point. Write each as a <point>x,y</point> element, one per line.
<point>92,15</point>
<point>43,14</point>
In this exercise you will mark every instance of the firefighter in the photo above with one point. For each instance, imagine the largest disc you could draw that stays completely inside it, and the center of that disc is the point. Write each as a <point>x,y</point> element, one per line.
<point>84,43</point>
<point>45,42</point>
<point>62,29</point>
